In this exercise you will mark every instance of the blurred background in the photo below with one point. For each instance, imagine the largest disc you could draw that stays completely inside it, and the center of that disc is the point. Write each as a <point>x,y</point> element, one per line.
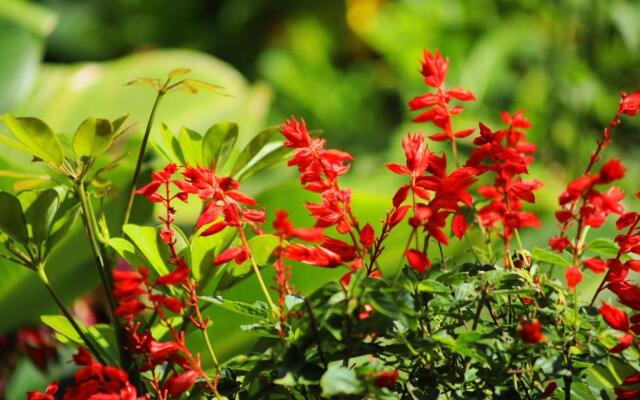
<point>348,66</point>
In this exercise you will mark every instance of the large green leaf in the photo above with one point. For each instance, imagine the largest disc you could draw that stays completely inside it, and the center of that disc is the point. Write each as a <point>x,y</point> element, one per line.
<point>146,240</point>
<point>218,143</point>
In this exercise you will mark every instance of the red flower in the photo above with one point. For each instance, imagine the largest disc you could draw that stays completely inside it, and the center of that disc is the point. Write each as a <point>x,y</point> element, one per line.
<point>624,341</point>
<point>614,317</point>
<point>238,254</point>
<point>559,243</point>
<point>49,394</point>
<point>630,104</point>
<point>611,171</point>
<point>597,265</point>
<point>573,275</point>
<point>417,260</point>
<point>531,332</point>
<point>386,379</point>
<point>177,384</point>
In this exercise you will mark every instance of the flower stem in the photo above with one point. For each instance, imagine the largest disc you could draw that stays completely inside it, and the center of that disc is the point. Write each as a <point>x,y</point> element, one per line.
<point>256,270</point>
<point>90,344</point>
<point>143,149</point>
<point>95,247</point>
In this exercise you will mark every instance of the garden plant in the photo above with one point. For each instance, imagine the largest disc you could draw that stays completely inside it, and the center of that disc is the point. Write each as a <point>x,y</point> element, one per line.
<point>501,321</point>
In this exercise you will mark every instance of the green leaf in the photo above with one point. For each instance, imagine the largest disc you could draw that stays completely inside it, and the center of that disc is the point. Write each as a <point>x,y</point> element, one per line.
<point>261,247</point>
<point>547,256</point>
<point>204,250</point>
<point>603,247</point>
<point>93,137</point>
<point>37,137</point>
<point>259,309</point>
<point>126,250</point>
<point>253,148</point>
<point>339,380</point>
<point>61,325</point>
<point>40,214</point>
<point>278,154</point>
<point>191,146</point>
<point>432,286</point>
<point>146,240</point>
<point>218,143</point>
<point>62,226</point>
<point>168,146</point>
<point>12,219</point>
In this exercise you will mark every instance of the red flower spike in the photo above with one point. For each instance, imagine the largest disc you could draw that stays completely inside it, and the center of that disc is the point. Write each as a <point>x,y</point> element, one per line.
<point>531,332</point>
<point>614,317</point>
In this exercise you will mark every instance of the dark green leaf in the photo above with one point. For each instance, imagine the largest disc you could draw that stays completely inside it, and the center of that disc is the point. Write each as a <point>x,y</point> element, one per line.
<point>12,219</point>
<point>40,213</point>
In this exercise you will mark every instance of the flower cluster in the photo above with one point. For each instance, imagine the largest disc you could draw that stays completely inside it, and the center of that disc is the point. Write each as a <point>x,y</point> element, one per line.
<point>93,381</point>
<point>434,71</point>
<point>506,154</point>
<point>435,195</point>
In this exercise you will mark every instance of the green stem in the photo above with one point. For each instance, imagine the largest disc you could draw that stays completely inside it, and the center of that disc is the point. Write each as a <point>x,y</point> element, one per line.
<point>95,247</point>
<point>143,149</point>
<point>210,349</point>
<point>90,345</point>
<point>256,270</point>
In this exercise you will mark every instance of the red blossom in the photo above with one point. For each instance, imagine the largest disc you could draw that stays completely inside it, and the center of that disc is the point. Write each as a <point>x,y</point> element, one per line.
<point>573,275</point>
<point>417,260</point>
<point>614,317</point>
<point>177,384</point>
<point>386,379</point>
<point>531,332</point>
